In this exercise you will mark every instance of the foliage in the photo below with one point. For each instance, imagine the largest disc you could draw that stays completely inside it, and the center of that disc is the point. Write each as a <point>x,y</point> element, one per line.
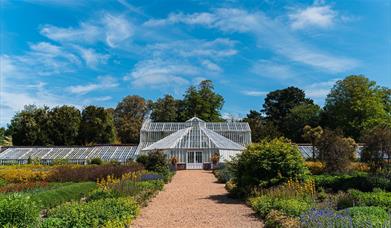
<point>358,198</point>
<point>268,163</point>
<point>64,125</point>
<point>264,204</point>
<point>156,161</point>
<point>53,197</point>
<point>260,127</point>
<point>69,173</point>
<point>298,117</point>
<point>18,211</point>
<point>23,175</point>
<point>323,218</point>
<point>165,109</point>
<point>280,220</point>
<point>2,183</point>
<point>96,126</point>
<point>370,216</point>
<point>278,104</point>
<point>313,135</point>
<point>128,116</point>
<point>103,212</point>
<point>360,181</point>
<point>315,168</point>
<point>18,187</point>
<point>377,144</point>
<point>96,161</point>
<point>354,104</point>
<point>223,174</point>
<point>5,139</point>
<point>215,158</point>
<point>202,102</point>
<point>304,190</point>
<point>336,151</point>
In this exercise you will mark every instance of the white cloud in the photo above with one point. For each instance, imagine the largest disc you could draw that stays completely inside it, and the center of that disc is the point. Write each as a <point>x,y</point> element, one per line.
<point>254,93</point>
<point>105,82</point>
<point>111,29</point>
<point>91,57</point>
<point>269,32</point>
<point>159,73</point>
<point>322,16</point>
<point>211,66</point>
<point>319,90</point>
<point>270,69</point>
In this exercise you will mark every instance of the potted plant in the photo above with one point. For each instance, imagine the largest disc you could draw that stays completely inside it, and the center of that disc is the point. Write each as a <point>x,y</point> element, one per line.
<point>215,159</point>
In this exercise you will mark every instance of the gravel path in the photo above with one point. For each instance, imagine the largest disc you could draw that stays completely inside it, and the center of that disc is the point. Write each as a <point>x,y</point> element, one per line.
<point>195,199</point>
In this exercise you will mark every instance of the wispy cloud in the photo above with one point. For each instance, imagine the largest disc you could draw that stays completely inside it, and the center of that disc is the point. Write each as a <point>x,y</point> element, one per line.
<point>91,57</point>
<point>254,93</point>
<point>319,90</point>
<point>270,69</point>
<point>110,29</point>
<point>105,82</point>
<point>269,32</point>
<point>321,16</point>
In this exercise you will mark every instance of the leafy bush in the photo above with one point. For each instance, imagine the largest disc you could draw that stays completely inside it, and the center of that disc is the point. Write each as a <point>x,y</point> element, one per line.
<point>267,164</point>
<point>323,218</point>
<point>368,216</point>
<point>3,183</point>
<point>91,172</point>
<point>279,219</point>
<point>98,194</point>
<point>360,181</point>
<point>57,196</point>
<point>104,212</point>
<point>292,207</point>
<point>96,161</point>
<point>336,151</point>
<point>223,174</point>
<point>357,198</point>
<point>315,168</point>
<point>157,162</point>
<point>18,187</point>
<point>23,175</point>
<point>18,211</point>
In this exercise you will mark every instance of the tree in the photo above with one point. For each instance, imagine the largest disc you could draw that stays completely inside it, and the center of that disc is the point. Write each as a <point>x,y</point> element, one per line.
<point>336,151</point>
<point>165,109</point>
<point>377,146</point>
<point>64,125</point>
<point>298,117</point>
<point>96,126</point>
<point>30,127</point>
<point>278,104</point>
<point>5,139</point>
<point>354,104</point>
<point>202,102</point>
<point>128,116</point>
<point>313,135</point>
<point>260,127</point>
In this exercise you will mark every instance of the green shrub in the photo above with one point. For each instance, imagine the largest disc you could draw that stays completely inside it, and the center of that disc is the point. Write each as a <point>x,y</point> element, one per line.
<point>96,161</point>
<point>3,183</point>
<point>368,216</point>
<point>277,219</point>
<point>292,207</point>
<point>18,211</point>
<point>115,212</point>
<point>157,162</point>
<point>223,174</point>
<point>357,198</point>
<point>97,194</point>
<point>267,164</point>
<point>360,181</point>
<point>57,196</point>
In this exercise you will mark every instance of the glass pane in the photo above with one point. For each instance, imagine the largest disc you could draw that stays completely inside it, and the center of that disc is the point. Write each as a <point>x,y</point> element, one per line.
<point>198,157</point>
<point>190,157</point>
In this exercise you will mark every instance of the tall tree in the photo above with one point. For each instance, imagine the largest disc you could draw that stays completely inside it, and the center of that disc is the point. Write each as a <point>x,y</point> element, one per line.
<point>30,127</point>
<point>260,127</point>
<point>312,135</point>
<point>96,126</point>
<point>298,117</point>
<point>202,102</point>
<point>279,103</point>
<point>165,109</point>
<point>5,139</point>
<point>128,116</point>
<point>64,125</point>
<point>354,104</point>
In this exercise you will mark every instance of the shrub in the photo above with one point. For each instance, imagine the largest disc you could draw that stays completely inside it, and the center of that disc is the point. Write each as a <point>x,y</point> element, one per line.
<point>157,162</point>
<point>267,164</point>
<point>18,187</point>
<point>368,216</point>
<point>23,175</point>
<point>104,212</point>
<point>360,181</point>
<point>18,211</point>
<point>3,183</point>
<point>279,219</point>
<point>336,151</point>
<point>357,198</point>
<point>292,207</point>
<point>223,174</point>
<point>90,173</point>
<point>324,218</point>
<point>98,194</point>
<point>315,167</point>
<point>57,196</point>
<point>96,161</point>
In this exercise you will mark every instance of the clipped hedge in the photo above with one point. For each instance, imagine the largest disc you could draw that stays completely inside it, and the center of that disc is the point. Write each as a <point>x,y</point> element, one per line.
<point>360,181</point>
<point>112,212</point>
<point>17,210</point>
<point>368,216</point>
<point>358,198</point>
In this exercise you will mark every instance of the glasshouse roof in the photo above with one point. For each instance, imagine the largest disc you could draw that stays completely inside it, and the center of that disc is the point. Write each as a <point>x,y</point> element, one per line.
<point>196,136</point>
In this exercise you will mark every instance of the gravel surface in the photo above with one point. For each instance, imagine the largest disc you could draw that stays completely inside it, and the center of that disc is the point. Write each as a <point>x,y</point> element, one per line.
<point>195,199</point>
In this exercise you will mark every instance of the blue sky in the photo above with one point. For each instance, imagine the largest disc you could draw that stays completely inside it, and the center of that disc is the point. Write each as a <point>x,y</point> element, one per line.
<point>56,52</point>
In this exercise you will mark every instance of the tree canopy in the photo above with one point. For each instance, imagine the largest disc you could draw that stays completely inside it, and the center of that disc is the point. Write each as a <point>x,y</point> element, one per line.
<point>64,125</point>
<point>165,109</point>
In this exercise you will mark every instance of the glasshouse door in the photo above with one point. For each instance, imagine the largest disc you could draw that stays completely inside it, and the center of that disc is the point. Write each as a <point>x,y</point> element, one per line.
<point>194,160</point>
